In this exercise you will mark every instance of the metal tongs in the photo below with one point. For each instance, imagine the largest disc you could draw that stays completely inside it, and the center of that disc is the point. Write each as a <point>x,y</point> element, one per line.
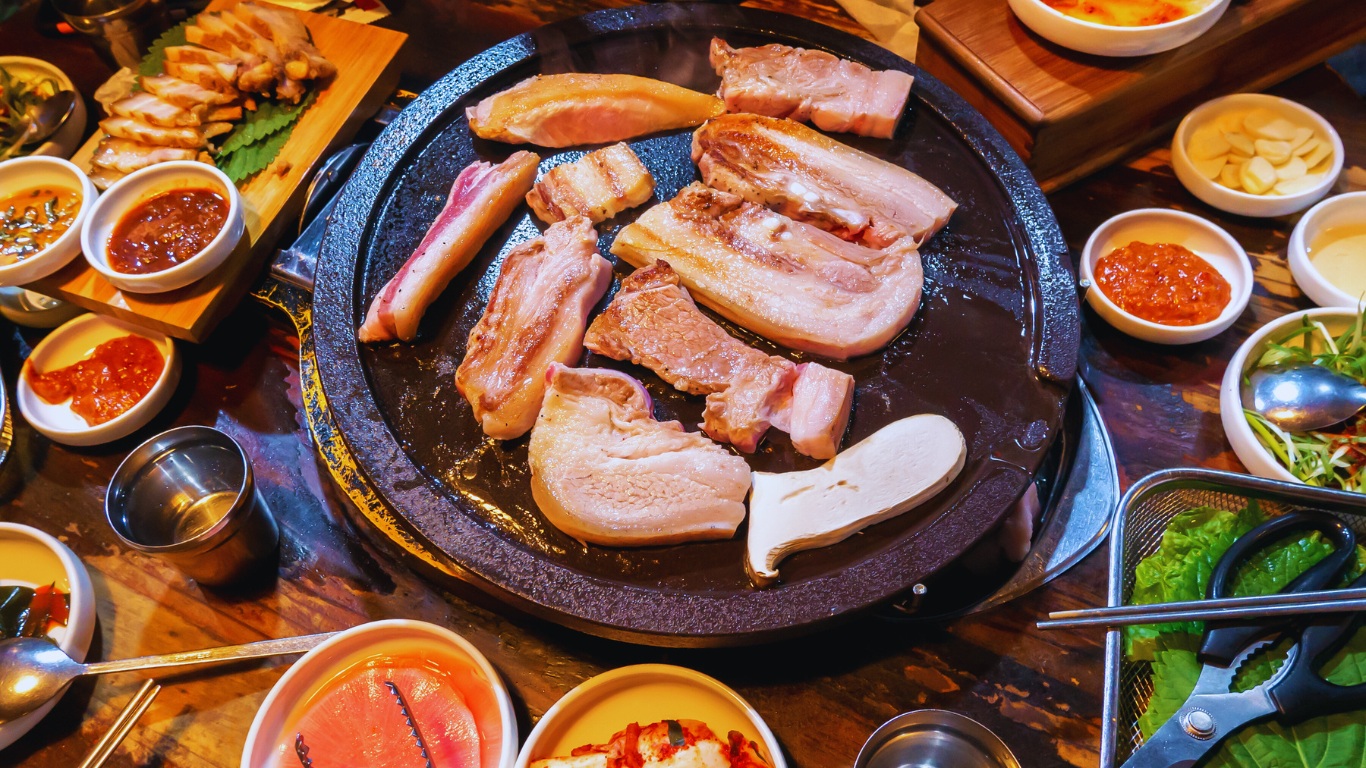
<point>1296,691</point>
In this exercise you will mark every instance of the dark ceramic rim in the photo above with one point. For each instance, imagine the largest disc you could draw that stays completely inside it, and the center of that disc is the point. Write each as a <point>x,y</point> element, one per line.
<point>657,616</point>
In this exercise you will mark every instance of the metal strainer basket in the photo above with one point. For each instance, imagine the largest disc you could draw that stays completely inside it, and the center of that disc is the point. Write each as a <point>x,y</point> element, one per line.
<point>1143,515</point>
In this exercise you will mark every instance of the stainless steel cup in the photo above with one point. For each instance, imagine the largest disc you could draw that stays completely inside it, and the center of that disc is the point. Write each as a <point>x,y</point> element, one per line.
<point>120,30</point>
<point>934,738</point>
<point>188,495</point>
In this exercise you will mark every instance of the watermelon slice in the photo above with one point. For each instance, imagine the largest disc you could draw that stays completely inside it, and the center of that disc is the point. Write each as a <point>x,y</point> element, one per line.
<point>388,716</point>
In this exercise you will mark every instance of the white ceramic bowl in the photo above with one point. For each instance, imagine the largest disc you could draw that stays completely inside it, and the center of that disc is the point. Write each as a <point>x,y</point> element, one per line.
<point>64,142</point>
<point>1159,225</point>
<point>141,185</point>
<point>644,693</point>
<point>31,558</point>
<point>1109,40</point>
<point>1250,450</point>
<point>315,668</point>
<point>1343,211</point>
<point>1238,201</point>
<point>73,342</point>
<point>21,173</point>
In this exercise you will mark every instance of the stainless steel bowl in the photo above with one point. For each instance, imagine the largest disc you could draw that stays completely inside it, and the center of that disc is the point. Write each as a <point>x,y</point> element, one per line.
<point>188,495</point>
<point>934,738</point>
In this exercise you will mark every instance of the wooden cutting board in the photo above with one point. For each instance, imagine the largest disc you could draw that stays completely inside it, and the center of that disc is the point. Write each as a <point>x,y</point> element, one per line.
<point>366,75</point>
<point>1070,113</point>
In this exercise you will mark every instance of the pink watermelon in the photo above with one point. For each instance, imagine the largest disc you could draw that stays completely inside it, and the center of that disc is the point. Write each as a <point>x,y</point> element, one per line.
<point>388,715</point>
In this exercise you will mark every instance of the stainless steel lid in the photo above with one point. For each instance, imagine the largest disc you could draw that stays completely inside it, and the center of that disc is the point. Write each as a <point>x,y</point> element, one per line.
<point>934,738</point>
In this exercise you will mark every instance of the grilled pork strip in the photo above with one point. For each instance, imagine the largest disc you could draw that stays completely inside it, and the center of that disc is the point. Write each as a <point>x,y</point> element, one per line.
<point>481,199</point>
<point>535,316</point>
<point>652,321</point>
<point>604,471</point>
<point>786,280</point>
<point>833,93</point>
<point>571,109</point>
<point>813,178</point>
<point>598,185</point>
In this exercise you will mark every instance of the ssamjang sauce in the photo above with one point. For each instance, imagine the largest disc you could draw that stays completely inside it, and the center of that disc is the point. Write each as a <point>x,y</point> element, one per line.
<point>1162,283</point>
<point>118,374</point>
<point>166,229</point>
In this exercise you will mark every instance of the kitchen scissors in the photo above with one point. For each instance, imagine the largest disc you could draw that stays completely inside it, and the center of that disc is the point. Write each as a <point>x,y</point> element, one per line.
<point>1296,691</point>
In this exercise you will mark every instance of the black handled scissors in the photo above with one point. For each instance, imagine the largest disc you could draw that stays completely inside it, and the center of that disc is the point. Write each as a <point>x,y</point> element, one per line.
<point>1296,691</point>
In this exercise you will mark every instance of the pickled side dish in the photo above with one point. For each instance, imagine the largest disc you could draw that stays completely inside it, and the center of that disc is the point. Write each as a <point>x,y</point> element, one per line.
<point>33,219</point>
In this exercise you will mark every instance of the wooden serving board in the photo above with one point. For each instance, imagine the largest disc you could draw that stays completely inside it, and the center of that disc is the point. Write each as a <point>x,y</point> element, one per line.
<point>1070,113</point>
<point>366,74</point>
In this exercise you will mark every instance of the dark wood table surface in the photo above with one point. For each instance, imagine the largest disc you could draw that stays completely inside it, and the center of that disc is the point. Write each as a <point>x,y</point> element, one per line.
<point>822,695</point>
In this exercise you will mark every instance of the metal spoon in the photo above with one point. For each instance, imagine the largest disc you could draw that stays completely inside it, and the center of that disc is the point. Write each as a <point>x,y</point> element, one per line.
<point>1302,397</point>
<point>43,119</point>
<point>33,671</point>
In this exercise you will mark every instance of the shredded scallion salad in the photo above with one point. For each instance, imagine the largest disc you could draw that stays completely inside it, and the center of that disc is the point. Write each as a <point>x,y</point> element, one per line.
<point>1333,459</point>
<point>17,94</point>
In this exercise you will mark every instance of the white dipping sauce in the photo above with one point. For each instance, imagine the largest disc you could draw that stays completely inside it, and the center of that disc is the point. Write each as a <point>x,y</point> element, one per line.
<point>1339,254</point>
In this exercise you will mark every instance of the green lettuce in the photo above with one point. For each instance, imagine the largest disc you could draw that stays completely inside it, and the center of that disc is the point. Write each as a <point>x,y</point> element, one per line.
<point>1180,570</point>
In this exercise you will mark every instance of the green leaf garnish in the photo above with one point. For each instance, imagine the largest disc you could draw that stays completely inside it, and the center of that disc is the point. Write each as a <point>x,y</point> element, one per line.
<point>269,118</point>
<point>254,158</point>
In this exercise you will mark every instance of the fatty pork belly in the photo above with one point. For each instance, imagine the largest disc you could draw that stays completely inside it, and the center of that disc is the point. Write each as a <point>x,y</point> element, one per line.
<point>813,178</point>
<point>652,321</point>
<point>570,109</point>
<point>786,280</point>
<point>605,472</point>
<point>598,185</point>
<point>535,316</point>
<point>481,199</point>
<point>833,93</point>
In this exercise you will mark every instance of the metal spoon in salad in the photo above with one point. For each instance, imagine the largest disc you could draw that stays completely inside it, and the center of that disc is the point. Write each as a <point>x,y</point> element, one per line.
<point>1302,397</point>
<point>41,120</point>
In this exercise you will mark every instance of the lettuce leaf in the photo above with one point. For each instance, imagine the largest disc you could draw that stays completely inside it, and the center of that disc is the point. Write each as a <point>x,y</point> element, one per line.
<point>1179,570</point>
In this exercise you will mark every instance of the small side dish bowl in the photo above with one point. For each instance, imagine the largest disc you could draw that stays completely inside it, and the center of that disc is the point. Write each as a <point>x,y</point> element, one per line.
<point>1258,460</point>
<point>23,173</point>
<point>1345,214</point>
<point>138,187</point>
<point>1235,200</point>
<point>73,342</point>
<point>68,137</point>
<point>276,721</point>
<point>1158,225</point>
<point>32,558</point>
<point>644,694</point>
<point>1111,40</point>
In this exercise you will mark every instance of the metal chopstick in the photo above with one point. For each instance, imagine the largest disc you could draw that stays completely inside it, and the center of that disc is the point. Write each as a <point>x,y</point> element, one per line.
<point>1283,598</point>
<point>124,723</point>
<point>1233,608</point>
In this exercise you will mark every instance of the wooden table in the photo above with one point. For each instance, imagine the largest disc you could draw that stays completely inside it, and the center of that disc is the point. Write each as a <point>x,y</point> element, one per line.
<point>822,695</point>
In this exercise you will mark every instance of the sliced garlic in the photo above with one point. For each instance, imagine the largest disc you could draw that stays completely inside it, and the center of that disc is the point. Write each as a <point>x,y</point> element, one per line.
<point>1292,169</point>
<point>1301,136</point>
<point>1210,168</point>
<point>1296,186</point>
<point>1229,176</point>
<point>1318,154</point>
<point>1276,152</point>
<point>1258,176</point>
<point>1279,129</point>
<point>1306,147</point>
<point>1207,144</point>
<point>1240,142</point>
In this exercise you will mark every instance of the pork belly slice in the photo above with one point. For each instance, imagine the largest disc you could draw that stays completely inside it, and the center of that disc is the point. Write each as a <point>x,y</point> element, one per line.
<point>535,316</point>
<point>605,472</point>
<point>884,475</point>
<point>812,178</point>
<point>786,280</point>
<point>287,31</point>
<point>652,321</point>
<point>833,93</point>
<point>481,199</point>
<point>186,95</point>
<point>134,130</point>
<point>153,111</point>
<point>598,185</point>
<point>203,67</point>
<point>125,156</point>
<point>572,109</point>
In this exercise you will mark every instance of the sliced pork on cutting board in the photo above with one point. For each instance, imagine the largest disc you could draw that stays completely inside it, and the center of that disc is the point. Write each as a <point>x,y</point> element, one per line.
<point>886,474</point>
<point>605,472</point>
<point>813,178</point>
<point>786,280</point>
<point>574,108</point>
<point>481,199</point>
<point>833,93</point>
<point>652,321</point>
<point>536,316</point>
